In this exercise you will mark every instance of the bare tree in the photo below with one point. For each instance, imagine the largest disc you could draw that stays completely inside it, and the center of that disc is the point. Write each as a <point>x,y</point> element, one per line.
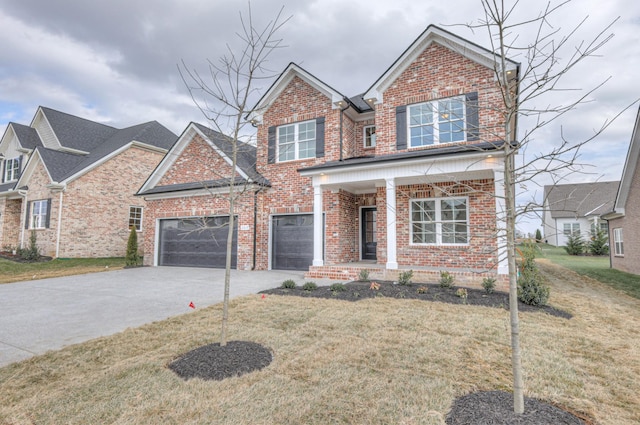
<point>224,95</point>
<point>546,62</point>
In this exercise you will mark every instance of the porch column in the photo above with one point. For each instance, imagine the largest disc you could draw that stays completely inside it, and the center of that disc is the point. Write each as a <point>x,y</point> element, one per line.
<point>501,220</point>
<point>317,226</point>
<point>392,262</point>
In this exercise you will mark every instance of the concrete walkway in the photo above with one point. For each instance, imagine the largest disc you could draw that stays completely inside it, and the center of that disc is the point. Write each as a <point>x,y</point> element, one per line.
<point>48,314</point>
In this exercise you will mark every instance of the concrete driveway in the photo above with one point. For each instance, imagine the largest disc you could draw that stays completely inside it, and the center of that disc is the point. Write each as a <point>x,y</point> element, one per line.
<point>48,314</point>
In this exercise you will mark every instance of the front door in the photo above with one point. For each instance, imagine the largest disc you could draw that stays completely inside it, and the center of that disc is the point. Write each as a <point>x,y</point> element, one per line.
<point>368,233</point>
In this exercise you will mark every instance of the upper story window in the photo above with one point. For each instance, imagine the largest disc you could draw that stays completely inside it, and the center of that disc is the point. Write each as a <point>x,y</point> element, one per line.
<point>296,141</point>
<point>369,135</point>
<point>39,217</point>
<point>441,221</point>
<point>440,121</point>
<point>135,218</point>
<point>11,169</point>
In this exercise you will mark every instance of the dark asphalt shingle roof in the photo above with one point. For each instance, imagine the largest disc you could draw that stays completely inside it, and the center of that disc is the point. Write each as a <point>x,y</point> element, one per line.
<point>27,136</point>
<point>580,199</point>
<point>75,132</point>
<point>209,184</point>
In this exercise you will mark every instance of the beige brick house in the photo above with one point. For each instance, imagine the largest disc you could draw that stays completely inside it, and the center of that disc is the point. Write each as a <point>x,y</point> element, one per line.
<point>402,176</point>
<point>73,182</point>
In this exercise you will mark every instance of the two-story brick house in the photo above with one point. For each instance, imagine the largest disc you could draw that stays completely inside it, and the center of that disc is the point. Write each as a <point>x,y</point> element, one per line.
<point>72,181</point>
<point>407,175</point>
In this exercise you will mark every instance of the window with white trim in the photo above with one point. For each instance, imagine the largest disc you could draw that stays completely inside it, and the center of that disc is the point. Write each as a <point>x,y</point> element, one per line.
<point>135,218</point>
<point>296,141</point>
<point>439,121</point>
<point>439,221</point>
<point>11,169</point>
<point>618,244</point>
<point>38,218</point>
<point>571,229</point>
<point>369,136</point>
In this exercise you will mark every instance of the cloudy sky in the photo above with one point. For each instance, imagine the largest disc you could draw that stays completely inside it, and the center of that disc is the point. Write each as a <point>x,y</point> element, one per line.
<point>116,62</point>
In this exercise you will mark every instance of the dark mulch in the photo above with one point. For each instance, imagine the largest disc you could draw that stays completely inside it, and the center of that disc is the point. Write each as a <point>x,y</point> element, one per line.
<point>358,290</point>
<point>213,362</point>
<point>496,408</point>
<point>18,259</point>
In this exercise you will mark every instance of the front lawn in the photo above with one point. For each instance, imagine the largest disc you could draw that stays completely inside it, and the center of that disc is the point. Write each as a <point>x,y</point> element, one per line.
<point>11,271</point>
<point>595,268</point>
<point>380,360</point>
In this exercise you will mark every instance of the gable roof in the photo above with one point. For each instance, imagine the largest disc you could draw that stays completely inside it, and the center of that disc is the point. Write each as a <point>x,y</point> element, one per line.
<point>580,199</point>
<point>432,34</point>
<point>223,145</point>
<point>629,170</point>
<point>80,145</point>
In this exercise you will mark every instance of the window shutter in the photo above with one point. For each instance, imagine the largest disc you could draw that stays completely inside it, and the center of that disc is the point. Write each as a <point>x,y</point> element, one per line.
<point>473,124</point>
<point>2,167</point>
<point>20,166</point>
<point>320,137</point>
<point>401,127</point>
<point>271,147</point>
<point>26,218</point>
<point>48,216</point>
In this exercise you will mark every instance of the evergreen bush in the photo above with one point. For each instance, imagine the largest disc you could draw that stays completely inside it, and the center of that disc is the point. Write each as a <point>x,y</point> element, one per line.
<point>132,258</point>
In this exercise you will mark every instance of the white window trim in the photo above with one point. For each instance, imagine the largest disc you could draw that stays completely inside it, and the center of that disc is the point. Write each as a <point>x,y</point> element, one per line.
<point>573,229</point>
<point>141,217</point>
<point>436,128</point>
<point>364,137</point>
<point>618,242</point>
<point>15,169</point>
<point>438,221</point>
<point>296,140</point>
<point>38,221</point>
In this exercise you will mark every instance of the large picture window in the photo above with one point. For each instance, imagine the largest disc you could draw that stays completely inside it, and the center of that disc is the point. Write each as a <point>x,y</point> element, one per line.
<point>11,169</point>
<point>618,244</point>
<point>296,141</point>
<point>440,121</point>
<point>39,211</point>
<point>440,221</point>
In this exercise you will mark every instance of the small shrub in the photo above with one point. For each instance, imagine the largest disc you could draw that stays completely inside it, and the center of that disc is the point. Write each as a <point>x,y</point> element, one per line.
<point>489,284</point>
<point>404,278</point>
<point>422,290</point>
<point>446,279</point>
<point>132,258</point>
<point>598,245</point>
<point>364,275</point>
<point>531,288</point>
<point>337,287</point>
<point>309,286</point>
<point>288,284</point>
<point>462,293</point>
<point>374,286</point>
<point>575,244</point>
<point>538,236</point>
<point>32,253</point>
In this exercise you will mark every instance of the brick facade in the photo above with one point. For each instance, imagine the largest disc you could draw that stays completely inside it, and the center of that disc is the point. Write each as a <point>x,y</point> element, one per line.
<point>630,226</point>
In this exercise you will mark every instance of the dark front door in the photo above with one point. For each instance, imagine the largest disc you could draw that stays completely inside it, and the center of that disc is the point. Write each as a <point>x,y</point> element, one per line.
<point>369,233</point>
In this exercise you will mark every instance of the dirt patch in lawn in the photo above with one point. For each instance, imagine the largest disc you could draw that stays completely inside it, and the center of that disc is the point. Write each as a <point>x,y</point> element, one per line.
<point>358,290</point>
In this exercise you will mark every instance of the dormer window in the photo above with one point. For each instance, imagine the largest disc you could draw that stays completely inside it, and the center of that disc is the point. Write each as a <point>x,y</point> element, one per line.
<point>440,121</point>
<point>369,136</point>
<point>11,169</point>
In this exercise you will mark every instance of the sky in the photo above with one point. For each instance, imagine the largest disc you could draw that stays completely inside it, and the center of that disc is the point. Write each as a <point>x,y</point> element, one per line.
<point>117,62</point>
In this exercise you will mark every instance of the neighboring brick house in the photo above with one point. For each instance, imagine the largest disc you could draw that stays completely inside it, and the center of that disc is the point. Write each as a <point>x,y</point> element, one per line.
<point>407,175</point>
<point>73,182</point>
<point>624,220</point>
<point>576,208</point>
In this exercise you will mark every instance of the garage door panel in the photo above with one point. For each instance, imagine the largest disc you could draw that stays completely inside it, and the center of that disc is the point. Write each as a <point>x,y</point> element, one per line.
<point>198,242</point>
<point>292,242</point>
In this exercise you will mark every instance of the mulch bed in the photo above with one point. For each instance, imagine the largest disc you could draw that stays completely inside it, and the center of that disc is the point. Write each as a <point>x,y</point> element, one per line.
<point>18,259</point>
<point>358,290</point>
<point>213,362</point>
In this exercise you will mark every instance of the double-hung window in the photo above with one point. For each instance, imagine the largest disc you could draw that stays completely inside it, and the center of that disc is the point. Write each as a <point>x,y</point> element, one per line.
<point>135,218</point>
<point>571,229</point>
<point>369,136</point>
<point>618,244</point>
<point>11,169</point>
<point>296,141</point>
<point>39,211</point>
<point>440,221</point>
<point>439,121</point>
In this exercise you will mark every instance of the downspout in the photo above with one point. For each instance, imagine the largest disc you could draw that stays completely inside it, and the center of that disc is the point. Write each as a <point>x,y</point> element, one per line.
<point>58,231</point>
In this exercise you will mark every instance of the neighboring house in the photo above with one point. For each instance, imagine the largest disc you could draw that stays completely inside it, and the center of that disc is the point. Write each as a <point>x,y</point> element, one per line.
<point>407,175</point>
<point>576,208</point>
<point>624,220</point>
<point>73,182</point>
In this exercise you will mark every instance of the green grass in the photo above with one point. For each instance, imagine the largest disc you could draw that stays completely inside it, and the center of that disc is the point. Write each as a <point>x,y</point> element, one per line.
<point>11,271</point>
<point>594,267</point>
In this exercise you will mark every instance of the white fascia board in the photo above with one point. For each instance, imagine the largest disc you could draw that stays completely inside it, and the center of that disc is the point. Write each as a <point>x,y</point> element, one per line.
<point>222,154</point>
<point>630,167</point>
<point>192,193</point>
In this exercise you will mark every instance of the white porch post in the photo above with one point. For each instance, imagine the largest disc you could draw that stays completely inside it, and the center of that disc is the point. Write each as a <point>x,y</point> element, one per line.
<point>318,259</point>
<point>392,262</point>
<point>501,220</point>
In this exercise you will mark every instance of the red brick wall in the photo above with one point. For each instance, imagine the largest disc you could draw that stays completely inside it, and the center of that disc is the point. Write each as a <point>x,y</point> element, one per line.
<point>10,222</point>
<point>438,73</point>
<point>46,238</point>
<point>630,225</point>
